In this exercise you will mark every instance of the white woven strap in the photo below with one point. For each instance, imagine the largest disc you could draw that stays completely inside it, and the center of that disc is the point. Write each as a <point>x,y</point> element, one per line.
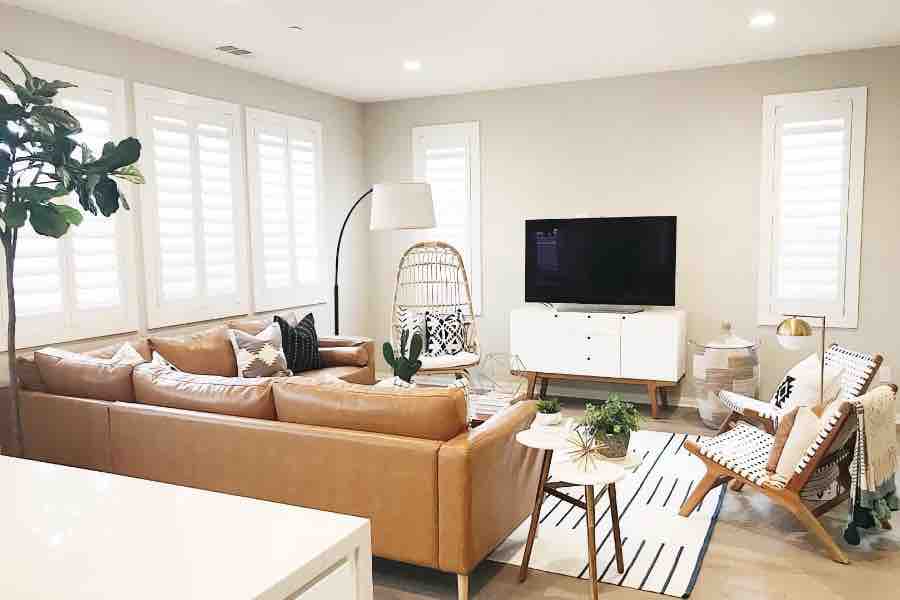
<point>739,403</point>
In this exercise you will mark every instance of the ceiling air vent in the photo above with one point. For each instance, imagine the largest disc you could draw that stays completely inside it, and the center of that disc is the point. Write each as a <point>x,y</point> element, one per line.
<point>233,50</point>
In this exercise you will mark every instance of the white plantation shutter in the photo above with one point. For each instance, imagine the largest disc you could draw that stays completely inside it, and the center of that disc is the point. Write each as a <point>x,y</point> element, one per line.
<point>82,284</point>
<point>285,167</point>
<point>813,155</point>
<point>192,207</point>
<point>448,158</point>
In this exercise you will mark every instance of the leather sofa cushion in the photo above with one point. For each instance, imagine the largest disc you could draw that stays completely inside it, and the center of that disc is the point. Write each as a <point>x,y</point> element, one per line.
<point>235,396</point>
<point>142,345</point>
<point>205,353</point>
<point>251,325</point>
<point>70,374</point>
<point>431,413</point>
<point>30,375</point>
<point>350,356</point>
<point>360,375</point>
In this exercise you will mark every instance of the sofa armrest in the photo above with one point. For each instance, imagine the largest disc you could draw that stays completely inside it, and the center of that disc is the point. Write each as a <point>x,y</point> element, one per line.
<point>486,485</point>
<point>341,341</point>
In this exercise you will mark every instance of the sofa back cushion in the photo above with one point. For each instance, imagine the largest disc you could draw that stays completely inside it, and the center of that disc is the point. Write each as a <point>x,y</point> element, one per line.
<point>431,413</point>
<point>71,374</point>
<point>348,356</point>
<point>205,353</point>
<point>235,396</point>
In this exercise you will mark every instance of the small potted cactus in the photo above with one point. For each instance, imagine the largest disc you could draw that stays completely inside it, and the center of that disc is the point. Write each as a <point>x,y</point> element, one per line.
<point>548,412</point>
<point>404,366</point>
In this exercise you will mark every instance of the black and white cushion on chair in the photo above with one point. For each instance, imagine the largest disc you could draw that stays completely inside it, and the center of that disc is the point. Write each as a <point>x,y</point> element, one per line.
<point>444,333</point>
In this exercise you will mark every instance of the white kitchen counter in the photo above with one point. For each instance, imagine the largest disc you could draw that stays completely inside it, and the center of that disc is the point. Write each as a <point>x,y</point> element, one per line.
<point>72,533</point>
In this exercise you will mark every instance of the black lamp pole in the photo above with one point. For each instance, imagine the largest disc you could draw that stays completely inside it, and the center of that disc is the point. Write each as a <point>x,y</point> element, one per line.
<point>337,260</point>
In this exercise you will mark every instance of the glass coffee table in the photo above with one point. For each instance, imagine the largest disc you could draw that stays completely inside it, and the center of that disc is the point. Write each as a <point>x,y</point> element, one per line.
<point>568,475</point>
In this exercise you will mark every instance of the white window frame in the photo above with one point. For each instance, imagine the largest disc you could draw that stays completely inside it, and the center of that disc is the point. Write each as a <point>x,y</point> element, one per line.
<point>265,299</point>
<point>160,312</point>
<point>72,324</point>
<point>469,133</point>
<point>770,311</point>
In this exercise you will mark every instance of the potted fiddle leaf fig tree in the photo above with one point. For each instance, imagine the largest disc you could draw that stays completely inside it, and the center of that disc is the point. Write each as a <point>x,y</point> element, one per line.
<point>48,179</point>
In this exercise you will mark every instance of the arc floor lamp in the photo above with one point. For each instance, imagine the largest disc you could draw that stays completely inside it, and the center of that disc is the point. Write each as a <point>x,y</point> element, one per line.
<point>394,206</point>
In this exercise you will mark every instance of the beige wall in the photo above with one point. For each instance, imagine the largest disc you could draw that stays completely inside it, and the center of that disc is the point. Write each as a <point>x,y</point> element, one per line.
<point>684,143</point>
<point>51,40</point>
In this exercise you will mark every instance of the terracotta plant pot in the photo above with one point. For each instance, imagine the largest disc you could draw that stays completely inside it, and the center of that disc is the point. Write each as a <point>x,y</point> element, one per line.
<point>614,445</point>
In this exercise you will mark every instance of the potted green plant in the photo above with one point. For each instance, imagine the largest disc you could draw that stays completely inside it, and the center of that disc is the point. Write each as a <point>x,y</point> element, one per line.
<point>548,412</point>
<point>404,366</point>
<point>610,425</point>
<point>48,179</point>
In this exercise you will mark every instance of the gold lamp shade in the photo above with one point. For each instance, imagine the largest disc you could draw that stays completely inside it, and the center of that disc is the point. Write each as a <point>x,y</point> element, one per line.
<point>791,332</point>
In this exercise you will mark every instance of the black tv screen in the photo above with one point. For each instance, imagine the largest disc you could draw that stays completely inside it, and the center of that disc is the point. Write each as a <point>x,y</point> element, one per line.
<point>627,260</point>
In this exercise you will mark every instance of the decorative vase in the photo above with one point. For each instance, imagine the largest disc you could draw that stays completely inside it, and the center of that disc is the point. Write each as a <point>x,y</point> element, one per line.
<point>614,445</point>
<point>547,419</point>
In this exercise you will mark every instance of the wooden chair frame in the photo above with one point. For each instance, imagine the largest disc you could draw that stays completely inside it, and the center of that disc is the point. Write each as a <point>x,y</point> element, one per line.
<point>432,276</point>
<point>789,496</point>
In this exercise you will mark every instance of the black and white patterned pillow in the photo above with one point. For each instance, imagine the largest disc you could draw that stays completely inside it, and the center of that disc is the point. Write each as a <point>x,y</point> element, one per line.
<point>301,344</point>
<point>444,333</point>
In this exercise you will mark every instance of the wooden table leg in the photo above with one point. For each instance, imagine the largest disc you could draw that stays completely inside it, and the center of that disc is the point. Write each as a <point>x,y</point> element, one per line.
<point>536,513</point>
<point>544,383</point>
<point>532,379</point>
<point>591,541</point>
<point>651,391</point>
<point>614,515</point>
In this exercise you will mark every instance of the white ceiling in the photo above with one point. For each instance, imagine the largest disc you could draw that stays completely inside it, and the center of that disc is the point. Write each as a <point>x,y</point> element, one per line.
<point>355,48</point>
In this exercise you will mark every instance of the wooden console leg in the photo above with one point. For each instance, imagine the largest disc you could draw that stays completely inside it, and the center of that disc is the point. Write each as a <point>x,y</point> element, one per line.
<point>532,379</point>
<point>544,383</point>
<point>651,391</point>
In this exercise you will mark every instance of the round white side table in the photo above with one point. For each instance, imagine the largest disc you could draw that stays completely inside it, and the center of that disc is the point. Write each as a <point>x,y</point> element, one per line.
<point>568,474</point>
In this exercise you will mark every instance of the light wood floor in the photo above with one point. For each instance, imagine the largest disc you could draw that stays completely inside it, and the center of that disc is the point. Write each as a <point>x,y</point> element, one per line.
<point>758,552</point>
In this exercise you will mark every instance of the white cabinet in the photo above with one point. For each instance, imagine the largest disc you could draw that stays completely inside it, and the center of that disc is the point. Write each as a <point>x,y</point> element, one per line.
<point>649,345</point>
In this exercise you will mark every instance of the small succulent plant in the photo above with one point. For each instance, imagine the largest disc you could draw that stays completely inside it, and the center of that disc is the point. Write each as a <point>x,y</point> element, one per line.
<point>404,367</point>
<point>548,406</point>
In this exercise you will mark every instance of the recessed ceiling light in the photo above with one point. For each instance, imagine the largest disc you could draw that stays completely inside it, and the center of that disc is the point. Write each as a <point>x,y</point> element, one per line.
<point>762,20</point>
<point>412,65</point>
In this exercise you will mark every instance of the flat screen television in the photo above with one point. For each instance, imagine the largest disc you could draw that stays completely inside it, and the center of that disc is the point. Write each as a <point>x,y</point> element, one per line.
<point>618,261</point>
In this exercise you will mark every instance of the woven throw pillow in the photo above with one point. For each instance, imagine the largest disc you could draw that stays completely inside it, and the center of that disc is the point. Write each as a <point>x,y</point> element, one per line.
<point>259,355</point>
<point>301,344</point>
<point>800,386</point>
<point>444,333</point>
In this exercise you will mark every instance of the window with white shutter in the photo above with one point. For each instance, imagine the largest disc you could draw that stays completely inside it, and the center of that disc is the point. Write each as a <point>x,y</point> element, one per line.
<point>81,285</point>
<point>192,207</point>
<point>811,205</point>
<point>284,157</point>
<point>448,157</point>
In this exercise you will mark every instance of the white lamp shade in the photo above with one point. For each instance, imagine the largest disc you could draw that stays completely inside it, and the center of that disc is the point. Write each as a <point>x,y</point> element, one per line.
<point>793,342</point>
<point>402,206</point>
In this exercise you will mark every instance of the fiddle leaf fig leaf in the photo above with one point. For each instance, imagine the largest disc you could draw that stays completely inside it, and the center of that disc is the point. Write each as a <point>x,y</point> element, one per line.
<point>10,112</point>
<point>72,216</point>
<point>49,89</point>
<point>130,174</point>
<point>46,219</point>
<point>37,194</point>
<point>116,156</point>
<point>16,214</point>
<point>106,194</point>
<point>5,163</point>
<point>57,116</point>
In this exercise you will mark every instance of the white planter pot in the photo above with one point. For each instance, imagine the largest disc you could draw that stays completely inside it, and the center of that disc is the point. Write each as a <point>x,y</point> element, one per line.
<point>545,419</point>
<point>395,382</point>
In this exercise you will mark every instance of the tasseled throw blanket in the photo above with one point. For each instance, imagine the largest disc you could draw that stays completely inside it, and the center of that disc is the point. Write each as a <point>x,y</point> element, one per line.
<point>873,491</point>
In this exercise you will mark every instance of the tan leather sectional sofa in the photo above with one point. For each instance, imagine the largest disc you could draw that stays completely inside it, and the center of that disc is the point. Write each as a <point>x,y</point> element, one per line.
<point>438,493</point>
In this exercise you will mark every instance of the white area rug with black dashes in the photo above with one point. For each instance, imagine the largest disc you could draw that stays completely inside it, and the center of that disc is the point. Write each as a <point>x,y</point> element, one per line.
<point>663,552</point>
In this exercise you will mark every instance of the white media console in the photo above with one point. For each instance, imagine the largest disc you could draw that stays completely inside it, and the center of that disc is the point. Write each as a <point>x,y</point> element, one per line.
<point>646,348</point>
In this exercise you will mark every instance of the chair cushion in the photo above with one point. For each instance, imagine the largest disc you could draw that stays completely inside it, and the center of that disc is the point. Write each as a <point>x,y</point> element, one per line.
<point>71,374</point>
<point>745,450</point>
<point>462,359</point>
<point>205,353</point>
<point>431,413</point>
<point>236,396</point>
